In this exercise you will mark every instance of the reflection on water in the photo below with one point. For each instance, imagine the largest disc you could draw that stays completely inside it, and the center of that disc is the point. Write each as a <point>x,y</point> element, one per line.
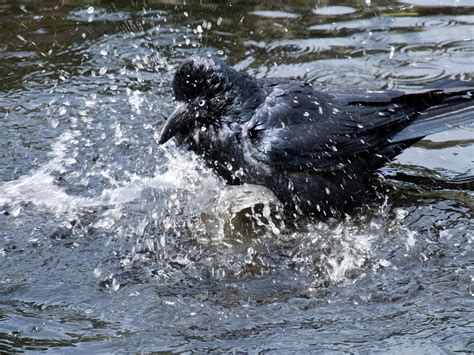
<point>109,242</point>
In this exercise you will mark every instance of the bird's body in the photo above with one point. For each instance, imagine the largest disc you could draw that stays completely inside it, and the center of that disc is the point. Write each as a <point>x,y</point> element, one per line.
<point>316,151</point>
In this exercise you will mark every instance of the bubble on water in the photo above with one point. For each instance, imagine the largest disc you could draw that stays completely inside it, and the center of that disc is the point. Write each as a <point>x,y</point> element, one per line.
<point>90,10</point>
<point>103,52</point>
<point>199,29</point>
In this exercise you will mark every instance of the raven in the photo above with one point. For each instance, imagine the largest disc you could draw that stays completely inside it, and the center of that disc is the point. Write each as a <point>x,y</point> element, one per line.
<point>317,151</point>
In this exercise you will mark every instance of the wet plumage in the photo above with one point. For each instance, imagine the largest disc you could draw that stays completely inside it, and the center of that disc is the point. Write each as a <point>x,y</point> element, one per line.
<point>316,151</point>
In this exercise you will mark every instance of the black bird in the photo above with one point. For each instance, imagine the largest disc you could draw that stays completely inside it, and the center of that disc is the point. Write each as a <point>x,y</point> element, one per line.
<point>316,151</point>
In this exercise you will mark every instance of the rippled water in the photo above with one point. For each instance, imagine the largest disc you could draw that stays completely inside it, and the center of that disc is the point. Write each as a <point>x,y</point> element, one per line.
<point>109,242</point>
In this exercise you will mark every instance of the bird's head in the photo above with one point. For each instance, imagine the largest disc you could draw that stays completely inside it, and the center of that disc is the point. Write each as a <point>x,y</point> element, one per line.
<point>202,86</point>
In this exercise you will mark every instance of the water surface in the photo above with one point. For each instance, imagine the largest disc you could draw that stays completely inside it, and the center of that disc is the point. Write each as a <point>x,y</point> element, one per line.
<point>109,242</point>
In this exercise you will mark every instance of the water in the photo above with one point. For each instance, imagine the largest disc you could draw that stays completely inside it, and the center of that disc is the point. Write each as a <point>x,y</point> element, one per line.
<point>109,242</point>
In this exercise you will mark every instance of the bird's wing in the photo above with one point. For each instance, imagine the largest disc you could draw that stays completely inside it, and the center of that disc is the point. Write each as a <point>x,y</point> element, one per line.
<point>298,128</point>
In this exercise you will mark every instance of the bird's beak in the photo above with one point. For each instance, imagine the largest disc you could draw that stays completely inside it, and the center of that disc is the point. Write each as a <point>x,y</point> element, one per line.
<point>178,121</point>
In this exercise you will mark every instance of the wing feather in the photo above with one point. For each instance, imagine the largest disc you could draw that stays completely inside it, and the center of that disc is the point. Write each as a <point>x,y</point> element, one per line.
<point>308,130</point>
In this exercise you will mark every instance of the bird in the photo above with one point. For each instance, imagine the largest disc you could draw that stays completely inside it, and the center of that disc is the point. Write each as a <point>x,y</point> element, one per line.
<point>317,150</point>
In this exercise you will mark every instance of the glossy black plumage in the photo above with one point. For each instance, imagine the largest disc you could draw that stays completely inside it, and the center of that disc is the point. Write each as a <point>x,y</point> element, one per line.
<point>316,151</point>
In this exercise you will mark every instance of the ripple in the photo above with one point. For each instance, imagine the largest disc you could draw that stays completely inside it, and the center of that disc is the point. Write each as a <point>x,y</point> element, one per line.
<point>93,14</point>
<point>275,14</point>
<point>411,75</point>
<point>334,10</point>
<point>387,22</point>
<point>127,245</point>
<point>439,3</point>
<point>302,47</point>
<point>461,52</point>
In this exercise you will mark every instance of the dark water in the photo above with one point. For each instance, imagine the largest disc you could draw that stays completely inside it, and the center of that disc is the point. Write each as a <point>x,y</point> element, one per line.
<point>109,242</point>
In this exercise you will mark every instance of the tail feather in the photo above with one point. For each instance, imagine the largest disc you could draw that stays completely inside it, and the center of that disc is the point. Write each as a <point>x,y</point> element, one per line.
<point>455,109</point>
<point>436,120</point>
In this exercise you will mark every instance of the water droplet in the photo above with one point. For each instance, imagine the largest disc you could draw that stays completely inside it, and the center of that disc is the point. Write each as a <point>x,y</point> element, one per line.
<point>199,29</point>
<point>202,103</point>
<point>90,10</point>
<point>97,272</point>
<point>115,284</point>
<point>306,114</point>
<point>103,52</point>
<point>392,52</point>
<point>385,263</point>
<point>16,211</point>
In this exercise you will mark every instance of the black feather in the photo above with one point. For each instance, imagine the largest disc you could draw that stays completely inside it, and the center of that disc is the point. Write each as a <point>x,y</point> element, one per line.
<point>317,151</point>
